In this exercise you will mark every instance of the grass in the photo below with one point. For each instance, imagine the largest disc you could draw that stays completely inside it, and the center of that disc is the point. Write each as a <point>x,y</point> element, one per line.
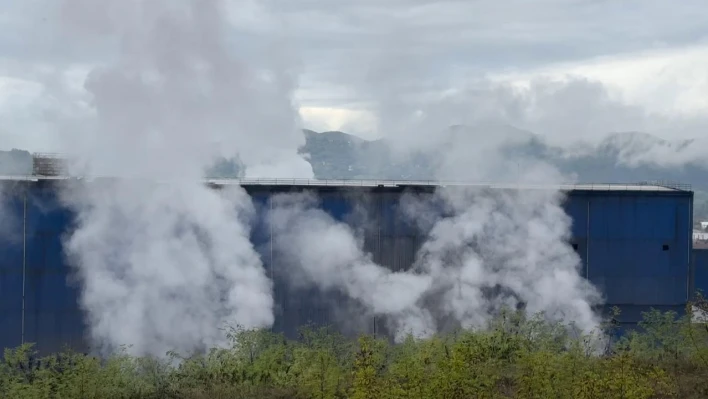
<point>516,357</point>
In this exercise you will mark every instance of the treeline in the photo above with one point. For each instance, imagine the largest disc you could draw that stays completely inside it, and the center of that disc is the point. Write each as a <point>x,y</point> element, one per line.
<point>516,357</point>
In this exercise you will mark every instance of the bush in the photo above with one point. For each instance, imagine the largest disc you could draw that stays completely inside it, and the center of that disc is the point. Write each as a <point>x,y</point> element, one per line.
<point>515,357</point>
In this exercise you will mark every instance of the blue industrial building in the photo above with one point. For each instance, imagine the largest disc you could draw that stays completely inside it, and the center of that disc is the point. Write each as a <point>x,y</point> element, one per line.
<point>634,241</point>
<point>700,272</point>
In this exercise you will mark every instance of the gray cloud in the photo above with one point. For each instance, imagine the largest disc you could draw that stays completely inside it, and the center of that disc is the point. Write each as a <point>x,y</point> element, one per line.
<point>393,57</point>
<point>484,35</point>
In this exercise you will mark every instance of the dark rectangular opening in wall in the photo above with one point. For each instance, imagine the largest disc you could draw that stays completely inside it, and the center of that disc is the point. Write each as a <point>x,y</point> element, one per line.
<point>665,247</point>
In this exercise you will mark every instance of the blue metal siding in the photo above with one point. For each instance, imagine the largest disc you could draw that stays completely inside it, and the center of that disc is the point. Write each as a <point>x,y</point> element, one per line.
<point>638,248</point>
<point>11,267</point>
<point>620,238</point>
<point>337,205</point>
<point>700,277</point>
<point>52,314</point>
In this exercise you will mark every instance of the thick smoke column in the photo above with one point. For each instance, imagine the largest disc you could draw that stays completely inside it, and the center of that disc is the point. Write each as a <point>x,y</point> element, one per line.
<point>504,248</point>
<point>325,253</point>
<point>487,248</point>
<point>490,247</point>
<point>167,264</point>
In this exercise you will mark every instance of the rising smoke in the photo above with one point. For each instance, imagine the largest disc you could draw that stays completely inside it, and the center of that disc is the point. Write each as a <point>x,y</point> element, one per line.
<point>165,262</point>
<point>504,248</point>
<point>325,253</point>
<point>166,266</point>
<point>489,249</point>
<point>486,249</point>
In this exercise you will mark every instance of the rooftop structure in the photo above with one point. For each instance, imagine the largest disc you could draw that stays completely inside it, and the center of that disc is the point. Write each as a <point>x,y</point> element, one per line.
<point>641,186</point>
<point>47,164</point>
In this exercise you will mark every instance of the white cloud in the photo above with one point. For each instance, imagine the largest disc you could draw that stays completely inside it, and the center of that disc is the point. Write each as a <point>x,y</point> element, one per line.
<point>667,81</point>
<point>648,55</point>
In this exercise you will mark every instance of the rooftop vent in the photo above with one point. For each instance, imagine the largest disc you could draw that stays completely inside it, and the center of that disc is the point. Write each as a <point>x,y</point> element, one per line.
<point>44,164</point>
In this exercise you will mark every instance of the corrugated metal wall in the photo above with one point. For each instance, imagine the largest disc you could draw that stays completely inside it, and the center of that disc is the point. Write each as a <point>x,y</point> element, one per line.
<point>635,246</point>
<point>700,276</point>
<point>39,304</point>
<point>11,266</point>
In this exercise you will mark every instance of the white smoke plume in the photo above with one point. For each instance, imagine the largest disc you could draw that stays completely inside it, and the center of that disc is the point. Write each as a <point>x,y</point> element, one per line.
<point>165,262</point>
<point>325,253</point>
<point>504,248</point>
<point>175,98</point>
<point>486,249</point>
<point>166,266</point>
<point>491,248</point>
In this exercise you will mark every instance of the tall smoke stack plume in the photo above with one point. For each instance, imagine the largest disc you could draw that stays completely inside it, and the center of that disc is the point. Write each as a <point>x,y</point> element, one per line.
<point>165,262</point>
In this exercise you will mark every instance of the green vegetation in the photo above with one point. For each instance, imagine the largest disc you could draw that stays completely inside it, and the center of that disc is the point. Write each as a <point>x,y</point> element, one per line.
<point>515,357</point>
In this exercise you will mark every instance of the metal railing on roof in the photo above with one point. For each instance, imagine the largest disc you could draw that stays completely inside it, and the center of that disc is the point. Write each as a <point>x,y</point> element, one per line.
<point>643,186</point>
<point>55,165</point>
<point>669,184</point>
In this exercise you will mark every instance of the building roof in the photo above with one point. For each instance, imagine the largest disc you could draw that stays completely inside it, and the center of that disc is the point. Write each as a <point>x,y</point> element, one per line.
<point>643,186</point>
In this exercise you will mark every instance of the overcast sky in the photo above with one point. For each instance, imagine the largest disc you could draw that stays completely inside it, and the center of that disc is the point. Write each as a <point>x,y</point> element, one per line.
<point>585,67</point>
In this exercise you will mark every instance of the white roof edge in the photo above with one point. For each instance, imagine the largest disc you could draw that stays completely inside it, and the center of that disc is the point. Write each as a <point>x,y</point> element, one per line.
<point>392,183</point>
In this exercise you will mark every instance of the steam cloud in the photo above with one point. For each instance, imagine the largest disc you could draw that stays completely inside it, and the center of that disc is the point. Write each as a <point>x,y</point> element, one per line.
<point>505,248</point>
<point>486,249</point>
<point>489,249</point>
<point>168,264</point>
<point>326,254</point>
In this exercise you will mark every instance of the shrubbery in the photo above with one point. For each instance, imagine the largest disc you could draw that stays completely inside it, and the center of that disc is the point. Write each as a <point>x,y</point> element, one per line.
<point>514,358</point>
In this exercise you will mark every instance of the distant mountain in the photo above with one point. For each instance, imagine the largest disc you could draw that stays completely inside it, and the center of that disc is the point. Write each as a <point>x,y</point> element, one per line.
<point>338,155</point>
<point>625,157</point>
<point>619,158</point>
<point>633,157</point>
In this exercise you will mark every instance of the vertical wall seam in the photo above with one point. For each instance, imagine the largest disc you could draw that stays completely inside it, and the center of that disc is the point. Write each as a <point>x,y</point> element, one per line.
<point>24,259</point>
<point>691,266</point>
<point>380,217</point>
<point>587,245</point>
<point>270,267</point>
